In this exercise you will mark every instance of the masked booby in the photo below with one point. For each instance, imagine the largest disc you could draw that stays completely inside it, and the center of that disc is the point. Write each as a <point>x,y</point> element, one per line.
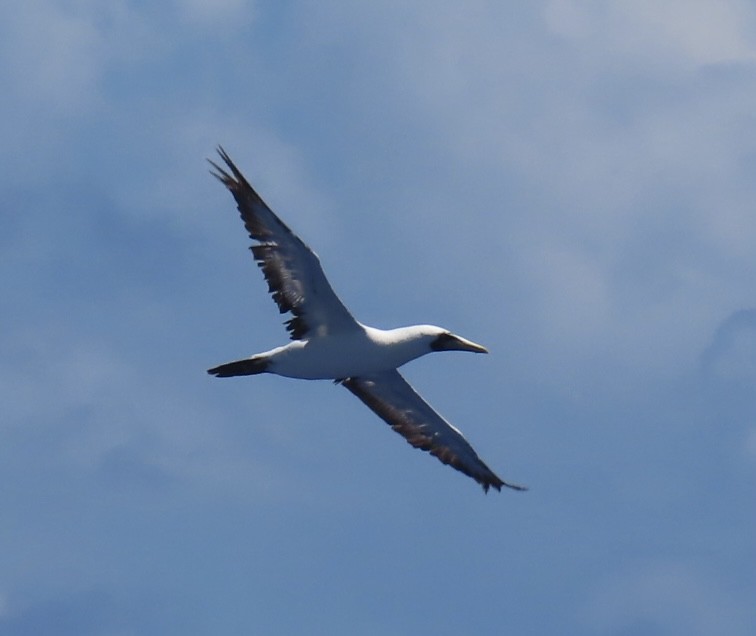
<point>328,343</point>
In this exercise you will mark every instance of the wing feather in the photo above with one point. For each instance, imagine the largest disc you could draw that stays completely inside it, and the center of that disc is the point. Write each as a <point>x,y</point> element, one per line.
<point>292,270</point>
<point>391,397</point>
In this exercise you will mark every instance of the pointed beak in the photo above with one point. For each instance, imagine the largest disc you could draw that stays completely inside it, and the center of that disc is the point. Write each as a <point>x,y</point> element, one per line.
<point>469,345</point>
<point>452,342</point>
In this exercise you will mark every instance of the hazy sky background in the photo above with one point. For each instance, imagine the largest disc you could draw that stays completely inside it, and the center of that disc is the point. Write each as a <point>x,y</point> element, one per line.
<point>570,183</point>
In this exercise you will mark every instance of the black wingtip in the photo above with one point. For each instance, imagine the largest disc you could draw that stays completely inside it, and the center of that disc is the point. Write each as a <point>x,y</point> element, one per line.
<point>232,177</point>
<point>517,487</point>
<point>499,483</point>
<point>237,175</point>
<point>220,173</point>
<point>223,155</point>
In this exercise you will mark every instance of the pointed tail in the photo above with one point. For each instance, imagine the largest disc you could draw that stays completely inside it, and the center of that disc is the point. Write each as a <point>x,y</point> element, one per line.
<point>248,366</point>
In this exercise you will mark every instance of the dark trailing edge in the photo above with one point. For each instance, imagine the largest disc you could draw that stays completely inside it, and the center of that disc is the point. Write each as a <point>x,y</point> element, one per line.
<point>390,397</point>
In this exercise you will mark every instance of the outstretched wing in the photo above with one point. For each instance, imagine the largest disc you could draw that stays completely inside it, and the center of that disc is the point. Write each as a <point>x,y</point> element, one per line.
<point>292,270</point>
<point>390,396</point>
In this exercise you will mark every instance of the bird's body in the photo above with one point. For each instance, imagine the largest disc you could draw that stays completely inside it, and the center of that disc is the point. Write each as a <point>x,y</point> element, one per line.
<point>328,343</point>
<point>360,351</point>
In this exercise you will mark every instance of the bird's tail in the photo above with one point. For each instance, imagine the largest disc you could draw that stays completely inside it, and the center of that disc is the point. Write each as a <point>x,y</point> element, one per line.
<point>248,366</point>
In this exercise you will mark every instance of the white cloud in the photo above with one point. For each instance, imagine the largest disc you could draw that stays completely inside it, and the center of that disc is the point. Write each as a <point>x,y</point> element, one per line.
<point>53,53</point>
<point>54,58</point>
<point>610,269</point>
<point>496,106</point>
<point>677,33</point>
<point>635,230</point>
<point>566,186</point>
<point>87,406</point>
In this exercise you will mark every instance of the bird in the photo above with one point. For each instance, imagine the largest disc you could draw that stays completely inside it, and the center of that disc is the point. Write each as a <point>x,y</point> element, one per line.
<point>328,343</point>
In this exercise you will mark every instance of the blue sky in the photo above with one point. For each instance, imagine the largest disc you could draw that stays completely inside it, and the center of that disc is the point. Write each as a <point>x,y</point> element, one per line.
<point>569,183</point>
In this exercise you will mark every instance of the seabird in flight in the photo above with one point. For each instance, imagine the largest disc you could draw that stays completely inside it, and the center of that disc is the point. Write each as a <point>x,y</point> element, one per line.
<point>328,343</point>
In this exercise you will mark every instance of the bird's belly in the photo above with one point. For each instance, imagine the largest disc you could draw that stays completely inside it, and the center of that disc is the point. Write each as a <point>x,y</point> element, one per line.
<point>334,360</point>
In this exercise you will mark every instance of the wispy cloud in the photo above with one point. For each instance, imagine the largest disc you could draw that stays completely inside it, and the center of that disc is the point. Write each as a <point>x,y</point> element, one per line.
<point>678,35</point>
<point>571,183</point>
